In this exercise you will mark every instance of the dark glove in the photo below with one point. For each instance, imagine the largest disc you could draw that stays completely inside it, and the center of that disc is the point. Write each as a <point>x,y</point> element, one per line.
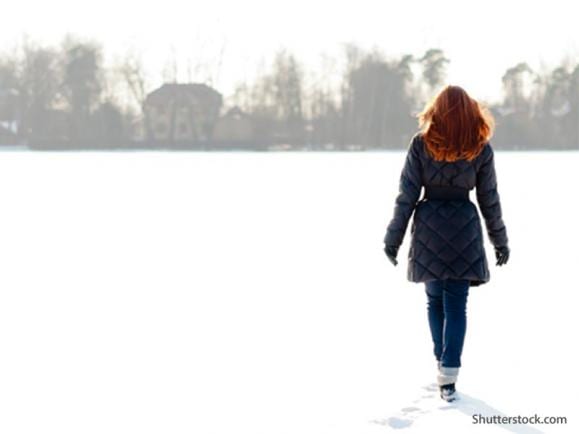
<point>391,252</point>
<point>502,254</point>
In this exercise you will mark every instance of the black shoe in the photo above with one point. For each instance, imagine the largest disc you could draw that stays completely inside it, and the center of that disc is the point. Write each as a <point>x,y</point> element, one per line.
<point>448,392</point>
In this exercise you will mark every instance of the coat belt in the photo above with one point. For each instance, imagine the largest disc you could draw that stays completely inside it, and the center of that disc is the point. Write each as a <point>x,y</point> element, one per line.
<point>444,192</point>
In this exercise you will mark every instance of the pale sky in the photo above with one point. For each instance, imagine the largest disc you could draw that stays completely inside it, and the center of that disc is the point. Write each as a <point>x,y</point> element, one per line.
<point>481,39</point>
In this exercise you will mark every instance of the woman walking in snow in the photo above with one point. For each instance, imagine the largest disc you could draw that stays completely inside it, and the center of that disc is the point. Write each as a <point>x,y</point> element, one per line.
<point>449,156</point>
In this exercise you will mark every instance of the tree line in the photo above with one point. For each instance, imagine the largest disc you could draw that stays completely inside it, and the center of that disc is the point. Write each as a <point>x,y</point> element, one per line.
<point>65,94</point>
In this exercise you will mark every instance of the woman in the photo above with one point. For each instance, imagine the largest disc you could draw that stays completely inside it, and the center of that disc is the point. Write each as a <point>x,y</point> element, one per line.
<point>449,156</point>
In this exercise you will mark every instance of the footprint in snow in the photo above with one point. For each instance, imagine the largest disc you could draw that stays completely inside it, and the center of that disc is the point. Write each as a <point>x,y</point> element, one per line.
<point>406,416</point>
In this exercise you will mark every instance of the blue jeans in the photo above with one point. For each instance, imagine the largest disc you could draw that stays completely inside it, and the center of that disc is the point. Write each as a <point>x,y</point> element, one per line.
<point>447,318</point>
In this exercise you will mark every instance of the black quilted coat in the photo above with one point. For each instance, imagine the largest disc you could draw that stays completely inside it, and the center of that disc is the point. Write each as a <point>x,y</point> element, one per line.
<point>447,240</point>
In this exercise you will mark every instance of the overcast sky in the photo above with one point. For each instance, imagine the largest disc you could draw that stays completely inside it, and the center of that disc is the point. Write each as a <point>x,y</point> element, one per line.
<point>481,39</point>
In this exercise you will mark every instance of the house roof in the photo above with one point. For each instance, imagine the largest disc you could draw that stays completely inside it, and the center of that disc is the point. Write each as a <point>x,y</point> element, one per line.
<point>185,92</point>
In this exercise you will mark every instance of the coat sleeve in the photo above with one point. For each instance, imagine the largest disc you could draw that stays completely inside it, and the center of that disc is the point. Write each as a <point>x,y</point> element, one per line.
<point>488,199</point>
<point>409,189</point>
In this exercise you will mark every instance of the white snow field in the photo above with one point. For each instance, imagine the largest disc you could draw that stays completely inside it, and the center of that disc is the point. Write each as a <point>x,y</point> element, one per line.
<point>231,293</point>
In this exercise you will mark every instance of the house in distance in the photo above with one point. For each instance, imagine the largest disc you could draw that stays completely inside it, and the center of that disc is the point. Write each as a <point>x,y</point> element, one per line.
<point>181,114</point>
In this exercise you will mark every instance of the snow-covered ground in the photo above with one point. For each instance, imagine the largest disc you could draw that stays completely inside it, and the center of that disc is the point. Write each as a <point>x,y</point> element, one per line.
<point>248,293</point>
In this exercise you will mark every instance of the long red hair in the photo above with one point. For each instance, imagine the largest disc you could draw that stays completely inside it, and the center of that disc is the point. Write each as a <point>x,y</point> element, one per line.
<point>455,126</point>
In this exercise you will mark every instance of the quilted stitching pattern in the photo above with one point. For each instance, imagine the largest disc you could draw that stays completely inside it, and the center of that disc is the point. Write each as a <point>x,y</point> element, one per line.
<point>447,239</point>
<point>447,242</point>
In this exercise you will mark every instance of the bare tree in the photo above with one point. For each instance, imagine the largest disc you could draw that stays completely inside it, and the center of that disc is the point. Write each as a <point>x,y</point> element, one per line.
<point>353,57</point>
<point>134,76</point>
<point>321,105</point>
<point>287,76</point>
